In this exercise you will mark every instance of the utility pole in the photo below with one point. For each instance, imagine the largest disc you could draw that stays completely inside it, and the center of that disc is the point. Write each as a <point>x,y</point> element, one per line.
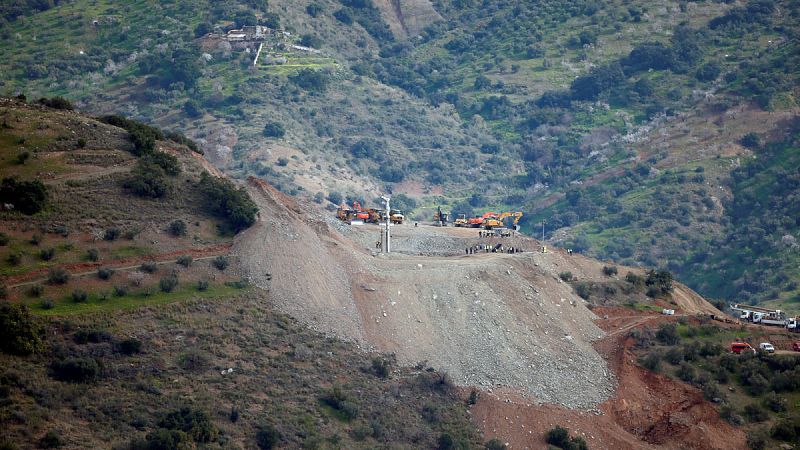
<point>543,222</point>
<point>387,236</point>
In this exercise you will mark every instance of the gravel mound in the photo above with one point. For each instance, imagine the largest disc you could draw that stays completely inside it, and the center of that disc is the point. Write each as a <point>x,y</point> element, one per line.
<point>489,320</point>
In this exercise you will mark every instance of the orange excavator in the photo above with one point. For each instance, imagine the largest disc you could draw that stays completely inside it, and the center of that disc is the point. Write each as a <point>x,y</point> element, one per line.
<point>477,222</point>
<point>355,215</point>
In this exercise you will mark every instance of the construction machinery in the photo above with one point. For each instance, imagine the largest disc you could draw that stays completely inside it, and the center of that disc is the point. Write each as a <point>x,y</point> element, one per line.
<point>498,221</point>
<point>354,216</point>
<point>477,222</point>
<point>396,216</point>
<point>461,221</point>
<point>440,218</point>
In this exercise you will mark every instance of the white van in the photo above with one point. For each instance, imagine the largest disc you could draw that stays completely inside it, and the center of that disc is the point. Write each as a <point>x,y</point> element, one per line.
<point>767,347</point>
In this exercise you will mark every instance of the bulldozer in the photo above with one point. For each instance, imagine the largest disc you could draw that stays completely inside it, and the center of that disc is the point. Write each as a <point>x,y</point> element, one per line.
<point>461,221</point>
<point>396,216</point>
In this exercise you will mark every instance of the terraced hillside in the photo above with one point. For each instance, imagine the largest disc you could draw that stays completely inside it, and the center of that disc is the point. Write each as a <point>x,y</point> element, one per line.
<point>522,105</point>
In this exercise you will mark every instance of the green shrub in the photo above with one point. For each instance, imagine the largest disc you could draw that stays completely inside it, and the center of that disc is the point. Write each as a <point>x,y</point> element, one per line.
<point>93,336</point>
<point>149,267</point>
<point>168,162</point>
<point>184,260</point>
<point>47,254</point>
<point>105,273</point>
<point>667,334</point>
<point>652,361</point>
<point>274,130</point>
<point>686,372</point>
<point>177,228</point>
<point>81,143</point>
<point>225,201</point>
<point>93,254</point>
<point>495,444</point>
<point>20,333</point>
<point>267,436</point>
<point>56,103</point>
<point>79,296</point>
<point>168,283</point>
<point>28,197</point>
<point>381,367</point>
<point>220,262</point>
<point>4,239</point>
<point>194,422</point>
<point>775,402</point>
<point>14,258</point>
<point>338,400</point>
<point>76,370</point>
<point>23,157</point>
<point>57,276</point>
<point>128,346</point>
<point>566,276</point>
<point>120,290</point>
<point>202,285</point>
<point>312,80</point>
<point>147,180</point>
<point>558,437</point>
<point>751,140</point>
<point>609,270</point>
<point>51,439</point>
<point>755,413</point>
<point>47,304</point>
<point>785,430</point>
<point>111,234</point>
<point>36,290</point>
<point>163,439</point>
<point>36,239</point>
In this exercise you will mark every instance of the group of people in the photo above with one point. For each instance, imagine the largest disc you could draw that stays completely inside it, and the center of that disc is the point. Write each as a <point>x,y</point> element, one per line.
<point>486,233</point>
<point>487,248</point>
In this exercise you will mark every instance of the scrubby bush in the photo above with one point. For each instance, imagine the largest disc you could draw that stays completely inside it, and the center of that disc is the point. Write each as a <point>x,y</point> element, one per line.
<point>147,179</point>
<point>111,234</point>
<point>751,140</point>
<point>128,346</point>
<point>202,285</point>
<point>46,254</point>
<point>47,304</point>
<point>4,239</point>
<point>79,296</point>
<point>184,260</point>
<point>177,228</point>
<point>685,372</point>
<point>56,103</point>
<point>194,422</point>
<point>28,197</point>
<point>93,336</point>
<point>381,367</point>
<point>20,333</point>
<point>566,276</point>
<point>220,262</point>
<point>495,444</point>
<point>93,254</point>
<point>775,402</point>
<point>57,276</point>
<point>168,283</point>
<point>558,436</point>
<point>51,439</point>
<point>36,290</point>
<point>667,334</point>
<point>163,439</point>
<point>652,361</point>
<point>225,201</point>
<point>267,436</point>
<point>149,267</point>
<point>609,270</point>
<point>755,413</point>
<point>105,273</point>
<point>23,157</point>
<point>120,290</point>
<point>76,370</point>
<point>274,130</point>
<point>311,80</point>
<point>338,400</point>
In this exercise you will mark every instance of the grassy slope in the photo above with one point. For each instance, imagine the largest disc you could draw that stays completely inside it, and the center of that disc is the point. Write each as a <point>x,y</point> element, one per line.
<point>189,335</point>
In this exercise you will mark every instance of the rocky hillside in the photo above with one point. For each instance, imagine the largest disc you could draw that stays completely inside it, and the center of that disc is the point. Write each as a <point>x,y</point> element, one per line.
<point>124,324</point>
<point>590,115</point>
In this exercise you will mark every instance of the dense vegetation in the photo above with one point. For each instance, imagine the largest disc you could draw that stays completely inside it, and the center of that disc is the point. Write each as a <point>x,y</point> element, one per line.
<point>756,391</point>
<point>508,102</point>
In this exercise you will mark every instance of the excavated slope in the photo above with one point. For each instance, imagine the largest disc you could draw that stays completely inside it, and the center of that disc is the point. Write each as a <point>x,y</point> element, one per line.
<point>489,320</point>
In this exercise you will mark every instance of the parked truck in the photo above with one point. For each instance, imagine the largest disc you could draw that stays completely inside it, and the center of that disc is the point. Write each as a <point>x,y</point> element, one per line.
<point>763,316</point>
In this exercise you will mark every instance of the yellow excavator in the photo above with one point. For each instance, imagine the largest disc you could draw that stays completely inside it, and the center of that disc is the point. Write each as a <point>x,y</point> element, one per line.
<point>396,216</point>
<point>493,221</point>
<point>461,220</point>
<point>440,218</point>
